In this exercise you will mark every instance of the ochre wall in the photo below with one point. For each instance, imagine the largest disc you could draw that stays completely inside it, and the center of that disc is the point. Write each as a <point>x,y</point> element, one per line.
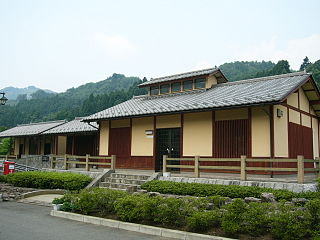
<point>104,138</point>
<point>260,132</point>
<point>142,145</point>
<point>315,136</point>
<point>62,145</point>
<point>293,100</point>
<point>197,134</point>
<point>26,145</point>
<point>16,145</point>
<point>294,116</point>
<point>232,114</point>
<point>120,123</point>
<point>211,80</point>
<point>168,121</point>
<point>305,120</point>
<point>280,132</point>
<point>304,102</point>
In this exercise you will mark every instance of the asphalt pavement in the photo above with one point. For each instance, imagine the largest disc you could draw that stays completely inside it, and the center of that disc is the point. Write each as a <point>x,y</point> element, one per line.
<point>20,221</point>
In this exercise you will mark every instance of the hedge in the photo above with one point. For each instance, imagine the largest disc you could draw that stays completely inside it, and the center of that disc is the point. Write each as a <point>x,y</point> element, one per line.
<point>232,191</point>
<point>279,220</point>
<point>48,180</point>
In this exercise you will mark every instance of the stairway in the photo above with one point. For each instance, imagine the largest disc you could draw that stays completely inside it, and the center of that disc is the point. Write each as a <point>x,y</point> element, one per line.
<point>124,181</point>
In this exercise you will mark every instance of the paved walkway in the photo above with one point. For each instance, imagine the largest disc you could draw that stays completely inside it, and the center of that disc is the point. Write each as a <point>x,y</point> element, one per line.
<point>45,198</point>
<point>20,221</point>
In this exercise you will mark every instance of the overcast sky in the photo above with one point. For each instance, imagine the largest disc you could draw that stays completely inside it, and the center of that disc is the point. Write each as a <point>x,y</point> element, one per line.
<point>57,45</point>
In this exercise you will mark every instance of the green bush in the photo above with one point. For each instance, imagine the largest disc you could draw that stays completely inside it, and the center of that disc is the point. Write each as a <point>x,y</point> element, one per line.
<point>233,218</point>
<point>203,221</point>
<point>313,207</point>
<point>2,178</point>
<point>232,191</point>
<point>49,180</point>
<point>290,223</point>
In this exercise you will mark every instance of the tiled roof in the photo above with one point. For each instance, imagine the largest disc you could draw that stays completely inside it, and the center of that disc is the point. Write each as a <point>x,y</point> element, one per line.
<point>256,91</point>
<point>74,126</point>
<point>180,76</point>
<point>30,129</point>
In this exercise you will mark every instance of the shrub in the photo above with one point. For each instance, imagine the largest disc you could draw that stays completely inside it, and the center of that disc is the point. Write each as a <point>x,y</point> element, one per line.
<point>233,218</point>
<point>313,207</point>
<point>2,178</point>
<point>203,221</point>
<point>289,222</point>
<point>49,180</point>
<point>232,191</point>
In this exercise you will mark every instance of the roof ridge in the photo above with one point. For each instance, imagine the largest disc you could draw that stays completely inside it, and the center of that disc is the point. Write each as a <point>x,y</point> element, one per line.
<point>28,124</point>
<point>173,75</point>
<point>263,78</point>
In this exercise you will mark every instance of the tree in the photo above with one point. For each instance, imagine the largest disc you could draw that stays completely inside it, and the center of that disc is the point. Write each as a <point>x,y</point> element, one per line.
<point>305,64</point>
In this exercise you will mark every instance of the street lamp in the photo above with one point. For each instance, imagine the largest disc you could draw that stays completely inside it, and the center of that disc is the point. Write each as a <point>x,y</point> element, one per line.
<point>3,99</point>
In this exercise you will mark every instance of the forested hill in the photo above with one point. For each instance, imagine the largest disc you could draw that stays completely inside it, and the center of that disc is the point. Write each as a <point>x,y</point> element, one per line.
<point>93,97</point>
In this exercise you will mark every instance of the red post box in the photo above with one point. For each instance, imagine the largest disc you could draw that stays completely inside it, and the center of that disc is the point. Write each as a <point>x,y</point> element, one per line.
<point>8,167</point>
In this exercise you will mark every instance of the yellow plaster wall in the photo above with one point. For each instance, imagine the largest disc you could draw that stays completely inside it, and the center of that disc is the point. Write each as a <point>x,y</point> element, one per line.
<point>305,120</point>
<point>294,116</point>
<point>315,134</point>
<point>142,144</point>
<point>211,80</point>
<point>16,145</point>
<point>120,123</point>
<point>304,102</point>
<point>26,146</point>
<point>280,132</point>
<point>232,114</point>
<point>312,111</point>
<point>104,138</point>
<point>168,121</point>
<point>293,100</point>
<point>197,134</point>
<point>260,132</point>
<point>62,145</point>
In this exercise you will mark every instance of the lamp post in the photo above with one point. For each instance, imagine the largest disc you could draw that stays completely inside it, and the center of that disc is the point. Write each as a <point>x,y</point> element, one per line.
<point>3,99</point>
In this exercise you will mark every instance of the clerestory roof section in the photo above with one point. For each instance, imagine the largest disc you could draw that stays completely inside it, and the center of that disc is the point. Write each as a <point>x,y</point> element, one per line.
<point>215,71</point>
<point>74,126</point>
<point>30,129</point>
<point>258,91</point>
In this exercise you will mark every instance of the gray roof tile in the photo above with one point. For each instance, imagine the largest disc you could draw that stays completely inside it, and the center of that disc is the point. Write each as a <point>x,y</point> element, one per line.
<point>231,94</point>
<point>30,129</point>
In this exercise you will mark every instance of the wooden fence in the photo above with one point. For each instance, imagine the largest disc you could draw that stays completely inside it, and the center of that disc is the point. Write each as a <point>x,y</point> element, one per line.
<point>85,161</point>
<point>243,167</point>
<point>8,157</point>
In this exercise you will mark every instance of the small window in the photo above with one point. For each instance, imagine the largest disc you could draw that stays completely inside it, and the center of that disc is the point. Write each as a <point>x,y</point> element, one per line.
<point>200,83</point>
<point>176,87</point>
<point>187,85</point>
<point>164,88</point>
<point>154,90</point>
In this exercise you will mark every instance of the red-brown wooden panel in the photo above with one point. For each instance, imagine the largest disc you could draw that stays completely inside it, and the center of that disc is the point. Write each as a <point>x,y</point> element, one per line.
<point>120,145</point>
<point>300,141</point>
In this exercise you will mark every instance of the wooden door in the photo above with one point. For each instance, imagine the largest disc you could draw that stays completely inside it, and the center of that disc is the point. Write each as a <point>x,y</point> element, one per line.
<point>120,145</point>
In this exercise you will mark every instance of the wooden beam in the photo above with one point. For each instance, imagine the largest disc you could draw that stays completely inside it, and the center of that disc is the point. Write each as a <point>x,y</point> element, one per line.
<point>314,102</point>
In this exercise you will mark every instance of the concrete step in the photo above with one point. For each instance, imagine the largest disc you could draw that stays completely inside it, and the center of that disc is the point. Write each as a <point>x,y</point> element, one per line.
<point>129,176</point>
<point>119,189</point>
<point>125,180</point>
<point>117,185</point>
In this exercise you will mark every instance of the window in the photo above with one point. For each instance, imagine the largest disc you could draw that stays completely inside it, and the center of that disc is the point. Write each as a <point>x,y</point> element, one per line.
<point>176,87</point>
<point>187,85</point>
<point>200,83</point>
<point>164,88</point>
<point>154,90</point>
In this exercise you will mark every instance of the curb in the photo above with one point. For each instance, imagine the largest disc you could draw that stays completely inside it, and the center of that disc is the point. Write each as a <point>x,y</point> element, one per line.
<point>42,192</point>
<point>155,231</point>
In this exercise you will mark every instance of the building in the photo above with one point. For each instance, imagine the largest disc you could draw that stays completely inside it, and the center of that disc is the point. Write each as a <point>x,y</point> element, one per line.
<point>56,137</point>
<point>201,113</point>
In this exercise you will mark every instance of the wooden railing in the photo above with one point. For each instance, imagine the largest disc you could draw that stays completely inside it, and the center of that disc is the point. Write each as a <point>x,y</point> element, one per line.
<point>73,159</point>
<point>243,167</point>
<point>8,157</point>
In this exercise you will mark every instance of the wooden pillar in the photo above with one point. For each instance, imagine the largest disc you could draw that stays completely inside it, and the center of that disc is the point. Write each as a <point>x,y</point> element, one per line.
<point>87,162</point>
<point>300,165</point>
<point>113,162</point>
<point>243,172</point>
<point>318,166</point>
<point>164,163</point>
<point>196,166</point>
<point>65,162</point>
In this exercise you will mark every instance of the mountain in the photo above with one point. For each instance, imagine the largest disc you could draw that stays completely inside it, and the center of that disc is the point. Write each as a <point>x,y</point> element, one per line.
<point>12,92</point>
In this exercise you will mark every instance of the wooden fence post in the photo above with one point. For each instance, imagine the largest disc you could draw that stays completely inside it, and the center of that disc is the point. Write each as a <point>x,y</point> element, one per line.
<point>317,159</point>
<point>300,165</point>
<point>6,157</point>
<point>65,162</point>
<point>113,162</point>
<point>196,166</point>
<point>164,163</point>
<point>87,162</point>
<point>51,162</point>
<point>243,172</point>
